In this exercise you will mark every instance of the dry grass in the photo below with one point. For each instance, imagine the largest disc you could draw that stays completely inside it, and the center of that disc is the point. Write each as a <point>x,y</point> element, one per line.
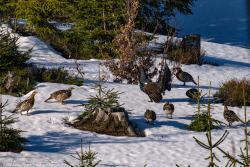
<point>231,92</point>
<point>186,56</point>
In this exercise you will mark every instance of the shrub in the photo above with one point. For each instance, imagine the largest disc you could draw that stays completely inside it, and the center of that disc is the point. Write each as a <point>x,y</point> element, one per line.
<point>21,29</point>
<point>26,77</point>
<point>131,46</point>
<point>201,123</point>
<point>54,75</point>
<point>10,139</point>
<point>230,93</point>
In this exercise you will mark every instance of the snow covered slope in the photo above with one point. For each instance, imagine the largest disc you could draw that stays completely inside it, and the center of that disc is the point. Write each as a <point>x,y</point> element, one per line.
<point>167,142</point>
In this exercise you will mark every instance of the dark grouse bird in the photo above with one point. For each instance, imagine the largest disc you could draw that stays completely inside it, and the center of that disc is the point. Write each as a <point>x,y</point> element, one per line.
<point>154,90</point>
<point>230,116</point>
<point>149,116</point>
<point>61,95</point>
<point>183,76</point>
<point>168,108</point>
<point>165,79</point>
<point>27,104</point>
<point>193,93</point>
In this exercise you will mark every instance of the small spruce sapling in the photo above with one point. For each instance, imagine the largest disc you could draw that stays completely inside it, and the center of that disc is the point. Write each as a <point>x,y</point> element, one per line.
<point>104,99</point>
<point>85,159</point>
<point>210,145</point>
<point>10,139</point>
<point>201,117</point>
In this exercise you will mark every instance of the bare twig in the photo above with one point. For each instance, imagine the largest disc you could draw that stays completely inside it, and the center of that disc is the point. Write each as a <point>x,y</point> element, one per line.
<point>79,69</point>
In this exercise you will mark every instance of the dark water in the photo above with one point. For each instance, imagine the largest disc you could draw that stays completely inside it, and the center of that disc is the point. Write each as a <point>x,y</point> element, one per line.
<point>220,21</point>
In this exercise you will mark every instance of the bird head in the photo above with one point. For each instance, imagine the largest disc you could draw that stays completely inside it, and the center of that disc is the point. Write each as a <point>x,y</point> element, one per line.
<point>225,107</point>
<point>33,94</point>
<point>176,69</point>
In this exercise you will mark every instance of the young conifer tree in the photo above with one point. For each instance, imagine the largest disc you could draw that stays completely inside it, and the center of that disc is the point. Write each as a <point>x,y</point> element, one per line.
<point>85,159</point>
<point>211,145</point>
<point>10,55</point>
<point>96,23</point>
<point>10,138</point>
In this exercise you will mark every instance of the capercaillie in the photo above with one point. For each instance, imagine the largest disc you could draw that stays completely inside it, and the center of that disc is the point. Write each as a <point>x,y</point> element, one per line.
<point>26,105</point>
<point>149,116</point>
<point>230,116</point>
<point>183,76</point>
<point>168,108</point>
<point>60,95</point>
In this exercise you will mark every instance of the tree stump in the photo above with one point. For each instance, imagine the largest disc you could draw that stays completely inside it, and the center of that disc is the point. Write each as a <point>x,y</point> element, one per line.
<point>112,121</point>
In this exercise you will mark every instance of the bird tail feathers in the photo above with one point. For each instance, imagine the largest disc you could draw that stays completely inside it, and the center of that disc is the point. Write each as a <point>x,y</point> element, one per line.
<point>155,97</point>
<point>13,111</point>
<point>194,82</point>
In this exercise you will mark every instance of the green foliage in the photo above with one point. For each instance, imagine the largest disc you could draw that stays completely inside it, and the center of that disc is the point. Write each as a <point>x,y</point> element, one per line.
<point>201,123</point>
<point>7,9</point>
<point>86,159</point>
<point>230,93</point>
<point>96,24</point>
<point>39,13</point>
<point>10,139</point>
<point>10,56</point>
<point>24,81</point>
<point>55,75</point>
<point>104,99</point>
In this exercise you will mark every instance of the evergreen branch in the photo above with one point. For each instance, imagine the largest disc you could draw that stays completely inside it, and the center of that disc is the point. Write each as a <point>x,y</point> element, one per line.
<point>223,137</point>
<point>201,143</point>
<point>230,157</point>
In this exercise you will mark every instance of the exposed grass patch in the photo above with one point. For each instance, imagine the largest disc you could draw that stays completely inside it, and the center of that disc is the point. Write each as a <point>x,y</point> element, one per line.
<point>26,77</point>
<point>186,56</point>
<point>230,93</point>
<point>55,75</point>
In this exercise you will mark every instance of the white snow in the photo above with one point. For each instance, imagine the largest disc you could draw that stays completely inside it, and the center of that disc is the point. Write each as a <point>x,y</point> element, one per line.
<point>167,142</point>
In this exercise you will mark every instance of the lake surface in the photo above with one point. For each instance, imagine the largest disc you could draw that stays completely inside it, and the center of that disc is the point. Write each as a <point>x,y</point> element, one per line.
<point>220,21</point>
